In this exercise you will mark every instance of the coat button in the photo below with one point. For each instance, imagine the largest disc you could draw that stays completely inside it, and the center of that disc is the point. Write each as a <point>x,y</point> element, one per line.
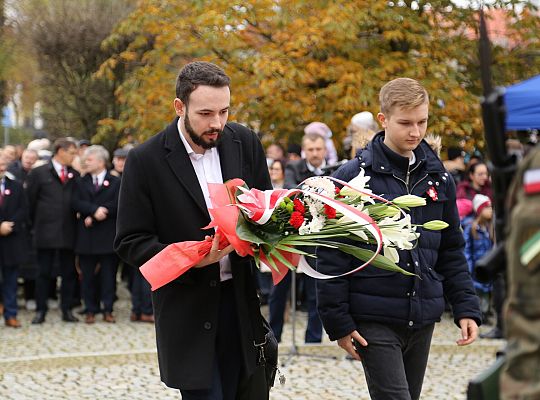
<point>213,283</point>
<point>414,293</point>
<point>430,183</point>
<point>411,323</point>
<point>363,164</point>
<point>382,167</point>
<point>408,294</point>
<point>207,326</point>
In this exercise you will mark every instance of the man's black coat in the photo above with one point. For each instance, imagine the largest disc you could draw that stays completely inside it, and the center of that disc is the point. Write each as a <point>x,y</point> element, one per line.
<point>161,202</point>
<point>98,238</point>
<point>53,218</point>
<point>13,247</point>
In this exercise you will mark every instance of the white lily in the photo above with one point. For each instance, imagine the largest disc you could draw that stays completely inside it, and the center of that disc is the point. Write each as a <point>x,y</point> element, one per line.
<point>391,253</point>
<point>398,232</point>
<point>358,185</point>
<point>361,233</point>
<point>409,200</point>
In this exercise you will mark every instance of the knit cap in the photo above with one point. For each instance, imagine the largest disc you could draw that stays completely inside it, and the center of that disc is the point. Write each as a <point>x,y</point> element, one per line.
<point>480,202</point>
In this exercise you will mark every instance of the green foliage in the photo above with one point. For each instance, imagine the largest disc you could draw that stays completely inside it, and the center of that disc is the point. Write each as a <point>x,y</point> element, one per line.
<point>65,38</point>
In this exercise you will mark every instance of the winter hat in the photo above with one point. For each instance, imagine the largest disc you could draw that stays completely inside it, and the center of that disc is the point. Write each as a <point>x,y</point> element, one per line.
<point>364,120</point>
<point>480,202</point>
<point>464,207</point>
<point>319,128</point>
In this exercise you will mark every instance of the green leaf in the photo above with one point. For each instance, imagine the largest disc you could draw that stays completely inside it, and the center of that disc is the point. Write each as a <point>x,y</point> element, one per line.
<point>283,260</point>
<point>293,250</point>
<point>379,261</point>
<point>245,233</point>
<point>307,243</point>
<point>271,261</point>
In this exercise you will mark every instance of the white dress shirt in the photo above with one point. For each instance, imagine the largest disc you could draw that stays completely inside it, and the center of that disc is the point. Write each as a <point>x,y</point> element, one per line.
<point>316,170</point>
<point>100,177</point>
<point>59,167</point>
<point>207,167</point>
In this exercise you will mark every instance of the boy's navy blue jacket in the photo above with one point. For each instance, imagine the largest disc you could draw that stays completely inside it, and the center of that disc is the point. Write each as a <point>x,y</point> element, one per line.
<point>373,294</point>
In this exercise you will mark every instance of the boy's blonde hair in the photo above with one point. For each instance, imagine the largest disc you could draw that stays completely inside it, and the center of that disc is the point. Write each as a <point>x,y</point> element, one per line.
<point>402,93</point>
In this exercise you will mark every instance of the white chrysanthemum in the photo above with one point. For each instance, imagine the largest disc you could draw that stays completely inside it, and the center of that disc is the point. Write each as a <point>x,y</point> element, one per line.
<point>313,226</point>
<point>304,229</point>
<point>321,185</point>
<point>314,206</point>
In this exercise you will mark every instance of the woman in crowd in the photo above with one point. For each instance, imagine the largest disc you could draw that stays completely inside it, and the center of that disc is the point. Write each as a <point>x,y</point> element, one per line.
<point>477,182</point>
<point>277,173</point>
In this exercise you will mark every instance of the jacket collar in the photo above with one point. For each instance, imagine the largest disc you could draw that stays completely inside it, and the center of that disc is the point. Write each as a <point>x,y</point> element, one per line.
<point>383,160</point>
<point>230,155</point>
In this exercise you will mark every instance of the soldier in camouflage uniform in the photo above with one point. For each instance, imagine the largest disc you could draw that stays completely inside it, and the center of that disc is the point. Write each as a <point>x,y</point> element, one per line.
<point>521,374</point>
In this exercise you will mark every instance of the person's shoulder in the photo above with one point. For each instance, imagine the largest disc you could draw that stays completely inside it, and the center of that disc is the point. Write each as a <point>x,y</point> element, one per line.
<point>41,169</point>
<point>296,165</point>
<point>239,131</point>
<point>348,170</point>
<point>112,178</point>
<point>13,182</point>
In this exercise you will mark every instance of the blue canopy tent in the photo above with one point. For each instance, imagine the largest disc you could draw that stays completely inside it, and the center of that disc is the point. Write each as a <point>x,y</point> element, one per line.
<point>523,105</point>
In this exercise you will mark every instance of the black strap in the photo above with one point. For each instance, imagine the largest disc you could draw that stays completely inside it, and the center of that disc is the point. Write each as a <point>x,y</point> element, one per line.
<point>257,323</point>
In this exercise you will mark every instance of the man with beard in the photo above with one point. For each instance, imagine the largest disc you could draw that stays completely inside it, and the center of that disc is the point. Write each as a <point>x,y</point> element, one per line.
<point>204,318</point>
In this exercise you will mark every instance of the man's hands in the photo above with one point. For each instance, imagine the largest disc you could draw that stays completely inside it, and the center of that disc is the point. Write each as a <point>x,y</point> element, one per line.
<point>215,254</point>
<point>101,213</point>
<point>346,343</point>
<point>469,331</point>
<point>6,228</point>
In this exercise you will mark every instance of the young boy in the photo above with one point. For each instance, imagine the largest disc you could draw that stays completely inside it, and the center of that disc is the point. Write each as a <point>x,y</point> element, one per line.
<point>383,318</point>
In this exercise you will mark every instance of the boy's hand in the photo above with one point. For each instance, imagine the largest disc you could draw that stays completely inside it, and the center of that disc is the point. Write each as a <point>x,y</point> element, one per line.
<point>469,331</point>
<point>347,344</point>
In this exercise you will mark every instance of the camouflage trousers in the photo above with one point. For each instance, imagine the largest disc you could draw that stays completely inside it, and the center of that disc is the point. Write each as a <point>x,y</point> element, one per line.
<point>521,375</point>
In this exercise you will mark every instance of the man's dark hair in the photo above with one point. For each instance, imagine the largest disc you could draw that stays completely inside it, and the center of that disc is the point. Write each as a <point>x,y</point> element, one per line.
<point>63,143</point>
<point>294,148</point>
<point>199,73</point>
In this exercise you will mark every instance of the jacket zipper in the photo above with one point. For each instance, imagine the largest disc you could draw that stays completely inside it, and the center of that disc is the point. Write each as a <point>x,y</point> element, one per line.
<point>405,183</point>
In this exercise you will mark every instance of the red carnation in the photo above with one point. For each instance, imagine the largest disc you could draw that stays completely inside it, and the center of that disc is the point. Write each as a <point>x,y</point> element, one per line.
<point>329,211</point>
<point>337,190</point>
<point>299,206</point>
<point>297,219</point>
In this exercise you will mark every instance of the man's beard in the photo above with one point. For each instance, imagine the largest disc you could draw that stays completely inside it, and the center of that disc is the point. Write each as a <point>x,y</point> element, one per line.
<point>198,140</point>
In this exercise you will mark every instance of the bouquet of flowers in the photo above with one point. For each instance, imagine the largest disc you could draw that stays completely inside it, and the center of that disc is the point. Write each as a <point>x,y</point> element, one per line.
<point>274,226</point>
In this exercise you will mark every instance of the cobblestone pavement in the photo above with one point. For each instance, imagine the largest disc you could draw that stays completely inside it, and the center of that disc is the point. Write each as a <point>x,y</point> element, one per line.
<point>118,361</point>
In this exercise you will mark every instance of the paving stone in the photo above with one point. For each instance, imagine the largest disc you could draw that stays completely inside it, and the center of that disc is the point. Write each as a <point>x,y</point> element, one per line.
<point>118,361</point>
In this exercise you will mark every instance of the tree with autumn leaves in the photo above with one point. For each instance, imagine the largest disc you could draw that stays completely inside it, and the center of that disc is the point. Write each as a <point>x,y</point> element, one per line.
<point>293,62</point>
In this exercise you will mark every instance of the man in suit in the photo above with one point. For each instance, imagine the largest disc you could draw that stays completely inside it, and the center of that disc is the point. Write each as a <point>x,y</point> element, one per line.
<point>204,318</point>
<point>21,168</point>
<point>13,214</point>
<point>28,268</point>
<point>313,163</point>
<point>49,189</point>
<point>95,199</point>
<point>314,149</point>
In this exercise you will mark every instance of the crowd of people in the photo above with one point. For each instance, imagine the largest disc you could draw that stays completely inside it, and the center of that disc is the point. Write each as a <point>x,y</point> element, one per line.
<point>65,214</point>
<point>58,209</point>
<point>80,249</point>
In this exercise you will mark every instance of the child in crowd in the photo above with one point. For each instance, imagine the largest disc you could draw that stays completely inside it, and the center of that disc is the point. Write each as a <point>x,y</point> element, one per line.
<point>478,233</point>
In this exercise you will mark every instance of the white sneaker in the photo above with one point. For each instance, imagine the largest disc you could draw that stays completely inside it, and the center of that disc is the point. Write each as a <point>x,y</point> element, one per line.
<point>30,305</point>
